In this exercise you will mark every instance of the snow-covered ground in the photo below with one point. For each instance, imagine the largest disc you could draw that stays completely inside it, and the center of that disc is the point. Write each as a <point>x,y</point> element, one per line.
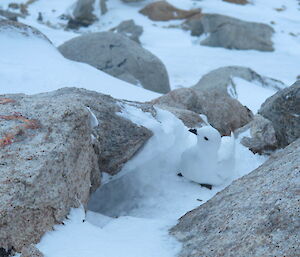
<point>146,198</point>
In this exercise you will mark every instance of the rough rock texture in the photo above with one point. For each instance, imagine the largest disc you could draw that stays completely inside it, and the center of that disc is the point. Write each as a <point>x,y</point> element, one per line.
<point>7,26</point>
<point>117,139</point>
<point>221,79</point>
<point>163,11</point>
<point>50,156</point>
<point>242,2</point>
<point>257,215</point>
<point>10,15</point>
<point>118,56</point>
<point>46,159</point>
<point>130,29</point>
<point>231,33</point>
<point>263,138</point>
<point>103,7</point>
<point>82,14</point>
<point>189,118</point>
<point>223,112</point>
<point>31,251</point>
<point>194,24</point>
<point>283,110</point>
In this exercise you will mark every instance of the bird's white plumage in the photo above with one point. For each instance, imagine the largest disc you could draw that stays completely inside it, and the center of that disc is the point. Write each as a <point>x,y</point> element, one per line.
<point>211,159</point>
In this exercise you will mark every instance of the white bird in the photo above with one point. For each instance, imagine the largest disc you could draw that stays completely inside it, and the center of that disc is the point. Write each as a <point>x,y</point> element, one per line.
<point>210,161</point>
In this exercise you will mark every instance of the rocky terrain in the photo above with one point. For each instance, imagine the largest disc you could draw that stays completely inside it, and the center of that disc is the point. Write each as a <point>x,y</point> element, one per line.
<point>97,98</point>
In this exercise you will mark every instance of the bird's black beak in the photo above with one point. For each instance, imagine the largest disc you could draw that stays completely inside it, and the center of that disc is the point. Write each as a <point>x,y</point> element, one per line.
<point>194,131</point>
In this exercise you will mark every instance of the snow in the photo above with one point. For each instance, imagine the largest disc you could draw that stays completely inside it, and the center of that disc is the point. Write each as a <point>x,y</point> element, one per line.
<point>252,95</point>
<point>140,204</point>
<point>32,65</point>
<point>78,238</point>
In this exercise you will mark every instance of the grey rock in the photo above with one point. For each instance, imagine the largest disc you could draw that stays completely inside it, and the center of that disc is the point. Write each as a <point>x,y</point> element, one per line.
<point>263,138</point>
<point>221,79</point>
<point>51,158</point>
<point>241,2</point>
<point>130,29</point>
<point>11,15</point>
<point>116,139</point>
<point>232,33</point>
<point>257,215</point>
<point>31,251</point>
<point>223,112</point>
<point>103,7</point>
<point>194,24</point>
<point>189,118</point>
<point>46,160</point>
<point>283,110</point>
<point>82,14</point>
<point>163,11</point>
<point>117,55</point>
<point>132,1</point>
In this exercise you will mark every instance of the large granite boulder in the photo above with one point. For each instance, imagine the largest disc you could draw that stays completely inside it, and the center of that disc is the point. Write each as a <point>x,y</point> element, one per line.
<point>53,148</point>
<point>232,33</point>
<point>221,79</point>
<point>47,160</point>
<point>82,14</point>
<point>129,29</point>
<point>223,112</point>
<point>120,57</point>
<point>257,215</point>
<point>283,110</point>
<point>163,11</point>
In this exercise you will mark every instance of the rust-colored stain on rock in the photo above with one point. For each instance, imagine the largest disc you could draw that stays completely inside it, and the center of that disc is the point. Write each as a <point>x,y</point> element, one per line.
<point>6,100</point>
<point>27,124</point>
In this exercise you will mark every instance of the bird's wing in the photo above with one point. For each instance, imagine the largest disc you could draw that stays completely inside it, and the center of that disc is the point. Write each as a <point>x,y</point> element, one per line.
<point>227,148</point>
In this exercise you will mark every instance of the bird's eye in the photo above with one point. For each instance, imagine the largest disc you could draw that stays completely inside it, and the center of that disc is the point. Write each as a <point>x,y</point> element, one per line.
<point>206,138</point>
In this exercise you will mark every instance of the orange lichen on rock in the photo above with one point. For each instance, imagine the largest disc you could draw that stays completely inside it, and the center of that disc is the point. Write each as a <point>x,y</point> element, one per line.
<point>6,100</point>
<point>7,140</point>
<point>27,124</point>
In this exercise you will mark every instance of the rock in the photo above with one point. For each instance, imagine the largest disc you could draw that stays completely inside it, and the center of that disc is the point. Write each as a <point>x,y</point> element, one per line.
<point>118,56</point>
<point>50,154</point>
<point>194,24</point>
<point>163,11</point>
<point>82,14</point>
<point>10,15</point>
<point>31,251</point>
<point>5,253</point>
<point>46,160</point>
<point>263,138</point>
<point>241,2</point>
<point>189,118</point>
<point>231,33</point>
<point>221,80</point>
<point>132,1</point>
<point>116,139</point>
<point>223,112</point>
<point>7,26</point>
<point>283,110</point>
<point>14,6</point>
<point>257,215</point>
<point>103,7</point>
<point>129,29</point>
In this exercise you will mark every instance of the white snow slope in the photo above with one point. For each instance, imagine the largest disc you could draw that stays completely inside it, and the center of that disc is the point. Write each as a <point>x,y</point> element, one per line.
<point>146,198</point>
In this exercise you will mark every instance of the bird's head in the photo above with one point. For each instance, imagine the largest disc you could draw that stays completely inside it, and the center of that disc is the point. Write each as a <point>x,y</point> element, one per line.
<point>207,136</point>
